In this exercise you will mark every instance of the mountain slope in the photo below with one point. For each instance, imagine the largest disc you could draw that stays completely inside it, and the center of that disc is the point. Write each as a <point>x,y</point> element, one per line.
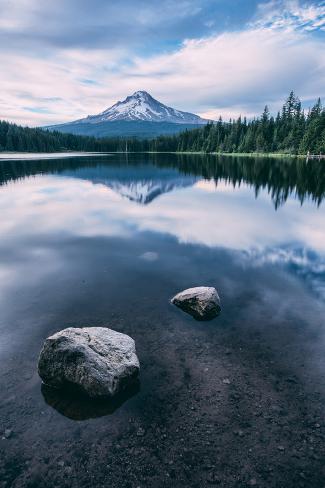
<point>142,106</point>
<point>123,128</point>
<point>138,115</point>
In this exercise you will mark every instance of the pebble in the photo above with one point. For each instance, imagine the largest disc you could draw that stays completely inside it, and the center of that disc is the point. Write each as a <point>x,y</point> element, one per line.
<point>253,482</point>
<point>226,381</point>
<point>141,432</point>
<point>281,448</point>
<point>213,478</point>
<point>7,433</point>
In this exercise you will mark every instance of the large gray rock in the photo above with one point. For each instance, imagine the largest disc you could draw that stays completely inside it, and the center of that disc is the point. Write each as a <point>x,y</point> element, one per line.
<point>98,361</point>
<point>202,302</point>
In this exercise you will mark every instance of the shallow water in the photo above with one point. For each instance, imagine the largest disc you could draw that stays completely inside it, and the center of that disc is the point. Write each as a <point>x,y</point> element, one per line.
<point>107,241</point>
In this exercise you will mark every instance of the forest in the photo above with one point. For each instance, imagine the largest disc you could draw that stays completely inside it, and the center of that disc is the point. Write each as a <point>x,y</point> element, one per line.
<point>291,131</point>
<point>16,138</point>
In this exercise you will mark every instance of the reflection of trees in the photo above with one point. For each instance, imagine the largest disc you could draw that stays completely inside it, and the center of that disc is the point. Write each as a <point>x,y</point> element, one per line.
<point>280,177</point>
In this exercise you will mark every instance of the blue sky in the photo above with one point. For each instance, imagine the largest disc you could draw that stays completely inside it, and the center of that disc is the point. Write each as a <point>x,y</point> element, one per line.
<point>69,58</point>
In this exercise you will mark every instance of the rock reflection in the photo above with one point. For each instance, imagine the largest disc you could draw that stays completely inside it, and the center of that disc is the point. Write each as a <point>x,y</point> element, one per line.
<point>76,406</point>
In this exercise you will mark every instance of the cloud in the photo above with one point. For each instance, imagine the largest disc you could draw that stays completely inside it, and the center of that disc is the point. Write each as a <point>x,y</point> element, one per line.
<point>247,68</point>
<point>98,24</point>
<point>37,110</point>
<point>224,73</point>
<point>290,14</point>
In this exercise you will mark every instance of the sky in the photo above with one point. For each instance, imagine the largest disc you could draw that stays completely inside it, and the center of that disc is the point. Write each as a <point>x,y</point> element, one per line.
<point>64,60</point>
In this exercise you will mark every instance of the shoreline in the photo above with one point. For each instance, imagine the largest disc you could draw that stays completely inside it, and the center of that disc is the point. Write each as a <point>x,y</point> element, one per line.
<point>6,156</point>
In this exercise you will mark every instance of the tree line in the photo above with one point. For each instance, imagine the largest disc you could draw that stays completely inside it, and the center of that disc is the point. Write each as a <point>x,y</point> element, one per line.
<point>292,131</point>
<point>16,138</point>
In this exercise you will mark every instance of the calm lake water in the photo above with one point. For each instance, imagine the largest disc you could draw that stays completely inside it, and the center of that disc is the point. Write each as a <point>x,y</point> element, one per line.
<point>107,241</point>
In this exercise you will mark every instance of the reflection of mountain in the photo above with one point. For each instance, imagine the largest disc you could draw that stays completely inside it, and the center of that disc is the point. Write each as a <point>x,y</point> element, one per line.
<point>141,184</point>
<point>303,262</point>
<point>281,178</point>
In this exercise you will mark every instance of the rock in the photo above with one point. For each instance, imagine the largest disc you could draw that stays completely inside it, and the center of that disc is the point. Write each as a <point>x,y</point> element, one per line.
<point>95,360</point>
<point>202,302</point>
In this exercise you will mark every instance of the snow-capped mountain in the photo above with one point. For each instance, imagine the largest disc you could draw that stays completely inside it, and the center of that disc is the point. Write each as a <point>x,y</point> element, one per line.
<point>139,115</point>
<point>141,106</point>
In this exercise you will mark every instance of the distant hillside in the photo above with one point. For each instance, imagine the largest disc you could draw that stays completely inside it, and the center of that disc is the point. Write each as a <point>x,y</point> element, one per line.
<point>122,128</point>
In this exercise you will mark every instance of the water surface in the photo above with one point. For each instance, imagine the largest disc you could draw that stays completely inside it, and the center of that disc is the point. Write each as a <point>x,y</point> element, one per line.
<point>107,241</point>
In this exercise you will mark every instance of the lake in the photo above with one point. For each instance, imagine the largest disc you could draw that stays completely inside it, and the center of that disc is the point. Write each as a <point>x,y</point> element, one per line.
<point>107,240</point>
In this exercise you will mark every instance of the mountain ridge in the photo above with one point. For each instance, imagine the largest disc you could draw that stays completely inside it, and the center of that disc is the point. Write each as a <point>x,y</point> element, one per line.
<point>141,106</point>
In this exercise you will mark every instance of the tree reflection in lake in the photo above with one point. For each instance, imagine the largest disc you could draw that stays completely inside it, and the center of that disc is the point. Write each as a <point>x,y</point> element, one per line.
<point>281,177</point>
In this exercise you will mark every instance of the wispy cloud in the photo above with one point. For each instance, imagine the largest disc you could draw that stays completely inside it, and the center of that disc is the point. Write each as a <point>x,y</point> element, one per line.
<point>37,110</point>
<point>290,14</point>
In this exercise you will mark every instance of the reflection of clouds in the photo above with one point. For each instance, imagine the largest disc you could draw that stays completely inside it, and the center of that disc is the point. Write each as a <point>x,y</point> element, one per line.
<point>303,262</point>
<point>149,256</point>
<point>71,207</point>
<point>230,219</point>
<point>211,186</point>
<point>26,264</point>
<point>225,217</point>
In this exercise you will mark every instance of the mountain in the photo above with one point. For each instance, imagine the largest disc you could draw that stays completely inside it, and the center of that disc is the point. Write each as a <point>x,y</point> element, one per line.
<point>142,106</point>
<point>138,115</point>
<point>140,184</point>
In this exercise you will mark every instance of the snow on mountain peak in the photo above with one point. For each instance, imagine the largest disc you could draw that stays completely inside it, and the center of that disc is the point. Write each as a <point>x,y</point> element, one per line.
<point>141,106</point>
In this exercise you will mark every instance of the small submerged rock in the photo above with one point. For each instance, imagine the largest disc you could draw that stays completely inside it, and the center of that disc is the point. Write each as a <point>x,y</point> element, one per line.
<point>7,434</point>
<point>97,361</point>
<point>202,302</point>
